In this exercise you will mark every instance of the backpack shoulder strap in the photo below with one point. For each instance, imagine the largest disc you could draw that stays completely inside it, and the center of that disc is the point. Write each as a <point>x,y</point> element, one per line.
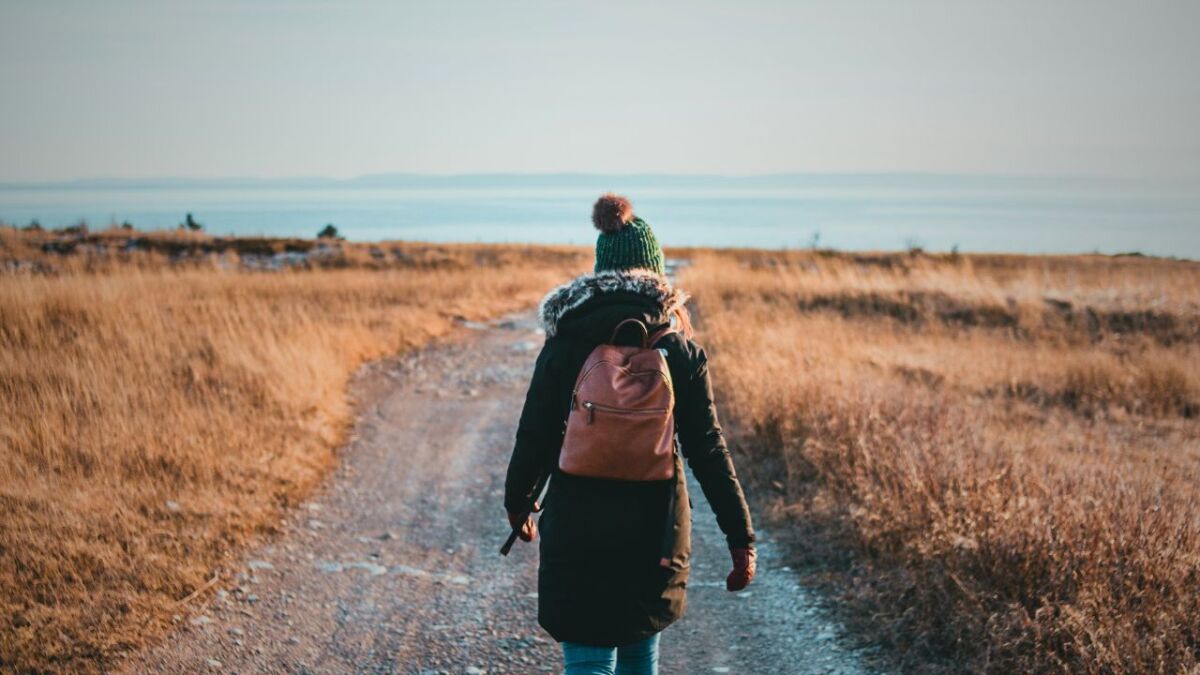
<point>659,334</point>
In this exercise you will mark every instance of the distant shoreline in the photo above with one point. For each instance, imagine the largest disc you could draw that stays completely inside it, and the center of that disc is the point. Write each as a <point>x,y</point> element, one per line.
<point>893,212</point>
<point>180,246</point>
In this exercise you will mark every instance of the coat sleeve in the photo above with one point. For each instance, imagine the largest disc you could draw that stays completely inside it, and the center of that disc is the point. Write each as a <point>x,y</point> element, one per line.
<point>703,445</point>
<point>539,433</point>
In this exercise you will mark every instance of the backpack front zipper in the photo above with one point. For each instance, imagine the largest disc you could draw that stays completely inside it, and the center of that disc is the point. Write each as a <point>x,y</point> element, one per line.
<point>592,407</point>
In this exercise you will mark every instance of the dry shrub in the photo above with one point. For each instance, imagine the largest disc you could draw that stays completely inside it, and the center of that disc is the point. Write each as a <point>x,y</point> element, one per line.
<point>985,496</point>
<point>155,418</point>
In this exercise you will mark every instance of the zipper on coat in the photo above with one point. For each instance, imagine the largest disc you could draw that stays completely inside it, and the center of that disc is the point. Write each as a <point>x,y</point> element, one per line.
<point>592,407</point>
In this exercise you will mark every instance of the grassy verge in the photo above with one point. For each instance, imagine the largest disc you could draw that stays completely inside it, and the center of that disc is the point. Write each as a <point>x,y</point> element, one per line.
<point>161,406</point>
<point>1006,446</point>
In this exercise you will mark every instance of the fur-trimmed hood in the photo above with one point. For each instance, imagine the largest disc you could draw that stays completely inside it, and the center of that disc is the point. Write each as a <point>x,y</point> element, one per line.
<point>579,290</point>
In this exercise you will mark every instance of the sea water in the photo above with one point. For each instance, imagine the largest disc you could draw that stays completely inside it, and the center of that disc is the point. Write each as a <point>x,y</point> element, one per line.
<point>850,212</point>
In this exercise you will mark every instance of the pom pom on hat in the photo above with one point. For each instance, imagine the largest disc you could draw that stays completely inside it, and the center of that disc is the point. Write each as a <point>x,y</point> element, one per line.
<point>611,213</point>
<point>626,242</point>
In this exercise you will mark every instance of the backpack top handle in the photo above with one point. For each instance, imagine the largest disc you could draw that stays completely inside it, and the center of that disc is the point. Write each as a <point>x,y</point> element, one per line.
<point>645,331</point>
<point>648,340</point>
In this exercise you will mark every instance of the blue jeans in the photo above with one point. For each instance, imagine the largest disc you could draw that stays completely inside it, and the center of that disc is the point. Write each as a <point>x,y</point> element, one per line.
<point>639,658</point>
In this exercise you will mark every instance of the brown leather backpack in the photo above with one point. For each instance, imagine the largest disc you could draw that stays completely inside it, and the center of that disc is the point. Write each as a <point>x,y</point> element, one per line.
<point>622,423</point>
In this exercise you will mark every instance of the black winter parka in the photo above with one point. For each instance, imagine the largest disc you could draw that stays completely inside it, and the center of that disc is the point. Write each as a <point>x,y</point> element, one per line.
<point>600,581</point>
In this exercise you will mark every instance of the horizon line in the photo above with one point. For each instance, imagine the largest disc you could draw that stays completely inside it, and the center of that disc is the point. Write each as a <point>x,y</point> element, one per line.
<point>182,180</point>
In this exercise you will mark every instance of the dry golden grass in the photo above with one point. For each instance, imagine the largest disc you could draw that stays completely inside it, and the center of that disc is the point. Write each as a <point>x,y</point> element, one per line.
<point>1008,445</point>
<point>157,415</point>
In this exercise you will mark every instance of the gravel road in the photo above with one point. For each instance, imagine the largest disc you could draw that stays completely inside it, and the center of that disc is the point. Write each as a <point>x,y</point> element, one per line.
<point>392,567</point>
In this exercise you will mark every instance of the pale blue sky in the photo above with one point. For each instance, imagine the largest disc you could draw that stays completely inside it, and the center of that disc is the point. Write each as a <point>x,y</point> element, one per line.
<point>265,88</point>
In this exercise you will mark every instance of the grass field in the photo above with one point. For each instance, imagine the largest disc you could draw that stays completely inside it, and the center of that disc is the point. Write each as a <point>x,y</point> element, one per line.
<point>992,459</point>
<point>162,404</point>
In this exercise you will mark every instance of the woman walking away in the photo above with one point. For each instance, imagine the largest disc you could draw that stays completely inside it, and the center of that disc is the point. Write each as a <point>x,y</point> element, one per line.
<point>617,384</point>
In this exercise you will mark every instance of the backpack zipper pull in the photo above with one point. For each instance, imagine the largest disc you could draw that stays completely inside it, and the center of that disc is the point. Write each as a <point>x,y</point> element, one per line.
<point>591,408</point>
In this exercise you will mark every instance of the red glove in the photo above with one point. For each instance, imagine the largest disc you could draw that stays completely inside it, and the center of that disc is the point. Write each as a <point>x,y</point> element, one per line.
<point>744,566</point>
<point>528,528</point>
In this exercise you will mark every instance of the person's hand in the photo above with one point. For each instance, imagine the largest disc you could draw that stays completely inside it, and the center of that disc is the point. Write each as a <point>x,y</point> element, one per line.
<point>528,528</point>
<point>744,566</point>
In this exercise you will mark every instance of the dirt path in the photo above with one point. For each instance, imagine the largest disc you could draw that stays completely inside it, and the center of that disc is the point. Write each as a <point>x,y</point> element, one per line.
<point>392,567</point>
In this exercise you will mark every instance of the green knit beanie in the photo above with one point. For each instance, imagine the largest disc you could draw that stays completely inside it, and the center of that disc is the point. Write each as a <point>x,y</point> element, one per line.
<point>625,241</point>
